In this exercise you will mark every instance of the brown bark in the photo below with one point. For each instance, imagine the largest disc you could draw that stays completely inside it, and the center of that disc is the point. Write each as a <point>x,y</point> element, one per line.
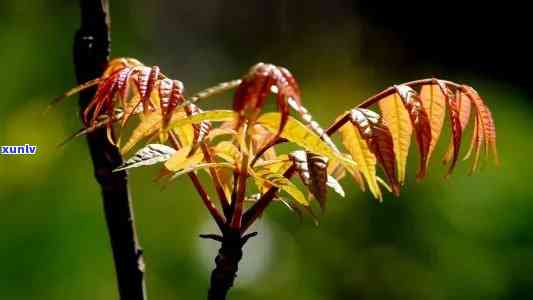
<point>91,52</point>
<point>226,262</point>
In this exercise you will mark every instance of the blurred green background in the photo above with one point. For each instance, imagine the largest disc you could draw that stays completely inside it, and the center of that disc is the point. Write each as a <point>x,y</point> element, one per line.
<point>469,237</point>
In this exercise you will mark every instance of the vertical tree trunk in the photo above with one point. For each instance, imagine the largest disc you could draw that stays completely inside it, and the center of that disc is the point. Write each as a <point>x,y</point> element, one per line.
<point>91,52</point>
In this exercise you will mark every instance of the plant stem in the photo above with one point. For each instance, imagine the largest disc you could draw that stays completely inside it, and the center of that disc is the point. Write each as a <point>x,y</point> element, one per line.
<point>219,219</point>
<point>259,207</point>
<point>91,51</point>
<point>227,263</point>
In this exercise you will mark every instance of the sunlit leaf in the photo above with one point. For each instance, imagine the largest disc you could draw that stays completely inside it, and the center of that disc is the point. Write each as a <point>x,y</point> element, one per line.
<point>361,154</point>
<point>212,115</point>
<point>420,122</point>
<point>261,137</point>
<point>227,151</point>
<point>434,103</point>
<point>399,124</point>
<point>475,144</point>
<point>278,165</point>
<point>465,107</point>
<point>226,180</point>
<point>185,134</point>
<point>181,159</point>
<point>298,133</point>
<point>147,127</point>
<point>216,132</point>
<point>313,125</point>
<point>196,167</point>
<point>338,172</point>
<point>377,136</point>
<point>283,183</point>
<point>148,155</point>
<point>485,125</point>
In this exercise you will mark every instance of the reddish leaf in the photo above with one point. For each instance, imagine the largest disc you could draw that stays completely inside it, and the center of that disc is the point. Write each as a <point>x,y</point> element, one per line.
<point>464,116</point>
<point>261,80</point>
<point>166,88</point>
<point>146,90</point>
<point>104,93</point>
<point>318,171</point>
<point>455,119</point>
<point>122,83</point>
<point>485,131</point>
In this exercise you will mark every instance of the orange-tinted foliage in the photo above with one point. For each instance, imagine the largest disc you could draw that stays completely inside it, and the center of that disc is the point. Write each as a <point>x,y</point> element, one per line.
<point>244,144</point>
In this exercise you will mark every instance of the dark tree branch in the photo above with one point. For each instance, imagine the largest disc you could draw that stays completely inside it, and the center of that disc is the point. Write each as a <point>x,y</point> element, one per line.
<point>227,262</point>
<point>91,52</point>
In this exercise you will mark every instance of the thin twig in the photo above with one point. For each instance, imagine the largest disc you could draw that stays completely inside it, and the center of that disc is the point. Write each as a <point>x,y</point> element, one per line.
<point>217,182</point>
<point>219,218</point>
<point>259,207</point>
<point>240,194</point>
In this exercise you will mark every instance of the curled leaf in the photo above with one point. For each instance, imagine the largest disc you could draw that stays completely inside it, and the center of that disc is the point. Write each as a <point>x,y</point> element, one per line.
<point>485,133</point>
<point>261,80</point>
<point>456,127</point>
<point>313,171</point>
<point>299,159</point>
<point>464,108</point>
<point>434,102</point>
<point>148,155</point>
